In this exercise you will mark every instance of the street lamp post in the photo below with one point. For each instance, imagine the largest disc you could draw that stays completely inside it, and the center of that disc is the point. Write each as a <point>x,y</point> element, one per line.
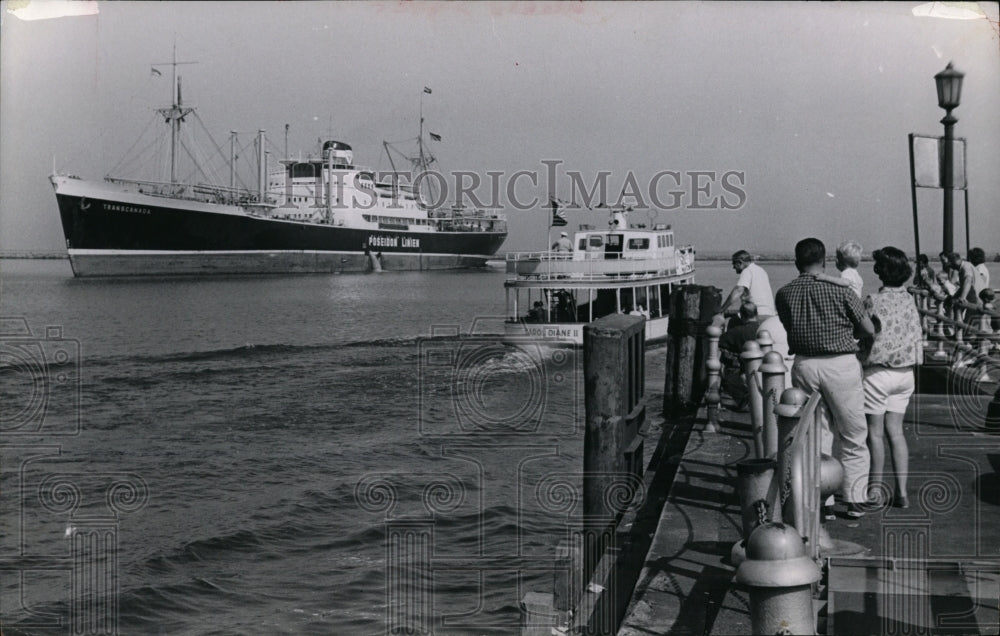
<point>949,90</point>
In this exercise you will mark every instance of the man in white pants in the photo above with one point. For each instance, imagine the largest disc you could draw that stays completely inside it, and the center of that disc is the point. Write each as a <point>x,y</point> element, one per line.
<point>821,319</point>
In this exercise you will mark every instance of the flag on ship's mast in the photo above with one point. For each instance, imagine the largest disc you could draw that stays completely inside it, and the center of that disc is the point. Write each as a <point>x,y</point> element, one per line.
<point>558,216</point>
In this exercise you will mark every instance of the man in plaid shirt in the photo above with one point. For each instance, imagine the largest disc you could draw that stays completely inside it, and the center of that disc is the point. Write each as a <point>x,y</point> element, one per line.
<point>822,319</point>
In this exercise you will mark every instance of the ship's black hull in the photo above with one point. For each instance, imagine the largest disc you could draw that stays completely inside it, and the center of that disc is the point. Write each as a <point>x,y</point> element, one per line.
<point>105,237</point>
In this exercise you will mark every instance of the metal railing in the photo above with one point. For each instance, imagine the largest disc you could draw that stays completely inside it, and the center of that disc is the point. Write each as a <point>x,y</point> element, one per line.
<point>785,426</point>
<point>965,325</point>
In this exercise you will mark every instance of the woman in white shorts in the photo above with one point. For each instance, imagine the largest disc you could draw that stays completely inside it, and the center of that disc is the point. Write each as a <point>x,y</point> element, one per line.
<point>888,368</point>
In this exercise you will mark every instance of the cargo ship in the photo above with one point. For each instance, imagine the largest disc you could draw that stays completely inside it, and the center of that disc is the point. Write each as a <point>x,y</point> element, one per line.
<point>318,213</point>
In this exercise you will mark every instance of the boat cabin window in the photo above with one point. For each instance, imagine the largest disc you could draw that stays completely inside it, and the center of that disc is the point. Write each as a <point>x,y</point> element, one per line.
<point>583,244</point>
<point>613,248</point>
<point>596,240</point>
<point>638,243</point>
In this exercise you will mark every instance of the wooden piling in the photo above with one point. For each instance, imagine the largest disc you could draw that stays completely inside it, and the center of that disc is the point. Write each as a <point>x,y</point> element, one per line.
<point>614,385</point>
<point>537,615</point>
<point>567,578</point>
<point>692,308</point>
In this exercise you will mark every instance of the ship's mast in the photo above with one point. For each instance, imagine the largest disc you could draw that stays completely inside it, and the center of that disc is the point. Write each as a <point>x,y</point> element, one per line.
<point>232,159</point>
<point>424,160</point>
<point>175,114</point>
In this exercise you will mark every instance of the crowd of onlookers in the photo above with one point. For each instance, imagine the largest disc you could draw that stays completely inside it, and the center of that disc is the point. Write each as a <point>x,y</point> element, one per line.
<point>858,351</point>
<point>960,279</point>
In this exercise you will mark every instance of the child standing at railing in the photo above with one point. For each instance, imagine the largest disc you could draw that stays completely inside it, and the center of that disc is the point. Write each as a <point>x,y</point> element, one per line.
<point>888,368</point>
<point>848,259</point>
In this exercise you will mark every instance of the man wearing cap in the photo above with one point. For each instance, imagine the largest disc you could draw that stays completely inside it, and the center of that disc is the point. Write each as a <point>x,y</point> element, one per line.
<point>563,244</point>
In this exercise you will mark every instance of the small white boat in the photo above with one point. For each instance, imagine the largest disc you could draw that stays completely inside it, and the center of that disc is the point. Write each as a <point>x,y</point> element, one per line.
<point>552,295</point>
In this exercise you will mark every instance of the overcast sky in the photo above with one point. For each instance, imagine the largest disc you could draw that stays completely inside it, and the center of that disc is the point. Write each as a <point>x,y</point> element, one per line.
<point>810,104</point>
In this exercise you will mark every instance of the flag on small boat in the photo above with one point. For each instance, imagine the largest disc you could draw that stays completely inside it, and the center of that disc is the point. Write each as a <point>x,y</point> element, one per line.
<point>435,137</point>
<point>558,216</point>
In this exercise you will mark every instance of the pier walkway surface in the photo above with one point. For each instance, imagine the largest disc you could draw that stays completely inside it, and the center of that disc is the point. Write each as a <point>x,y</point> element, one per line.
<point>686,584</point>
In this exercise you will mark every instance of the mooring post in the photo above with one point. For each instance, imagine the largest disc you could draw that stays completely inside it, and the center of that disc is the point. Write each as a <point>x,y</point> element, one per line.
<point>779,575</point>
<point>765,341</point>
<point>692,308</point>
<point>757,486</point>
<point>789,412</point>
<point>713,396</point>
<point>614,385</point>
<point>750,360</point>
<point>773,370</point>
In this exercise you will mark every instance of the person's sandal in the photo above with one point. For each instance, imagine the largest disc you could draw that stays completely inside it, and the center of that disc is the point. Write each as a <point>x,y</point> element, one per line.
<point>855,511</point>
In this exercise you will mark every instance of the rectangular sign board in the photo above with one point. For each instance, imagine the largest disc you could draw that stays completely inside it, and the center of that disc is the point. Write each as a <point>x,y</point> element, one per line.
<point>927,153</point>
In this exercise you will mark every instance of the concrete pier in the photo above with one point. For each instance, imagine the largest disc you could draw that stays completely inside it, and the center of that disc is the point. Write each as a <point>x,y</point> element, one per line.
<point>667,567</point>
<point>951,531</point>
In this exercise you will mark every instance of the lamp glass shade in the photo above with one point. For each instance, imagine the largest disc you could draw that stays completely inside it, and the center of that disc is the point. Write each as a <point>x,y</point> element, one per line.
<point>949,87</point>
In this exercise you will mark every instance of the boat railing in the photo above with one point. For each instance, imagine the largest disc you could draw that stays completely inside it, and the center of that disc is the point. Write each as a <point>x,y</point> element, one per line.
<point>459,214</point>
<point>551,265</point>
<point>470,224</point>
<point>197,192</point>
<point>540,256</point>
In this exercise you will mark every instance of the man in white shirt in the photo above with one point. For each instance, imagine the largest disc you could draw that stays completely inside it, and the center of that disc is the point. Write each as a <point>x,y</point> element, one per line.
<point>754,284</point>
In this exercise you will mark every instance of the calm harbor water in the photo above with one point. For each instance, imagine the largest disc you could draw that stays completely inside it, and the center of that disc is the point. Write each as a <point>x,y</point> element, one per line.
<point>260,446</point>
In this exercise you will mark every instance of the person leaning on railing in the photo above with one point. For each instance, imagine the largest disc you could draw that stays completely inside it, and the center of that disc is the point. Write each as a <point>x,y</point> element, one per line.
<point>924,276</point>
<point>977,256</point>
<point>753,285</point>
<point>888,368</point>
